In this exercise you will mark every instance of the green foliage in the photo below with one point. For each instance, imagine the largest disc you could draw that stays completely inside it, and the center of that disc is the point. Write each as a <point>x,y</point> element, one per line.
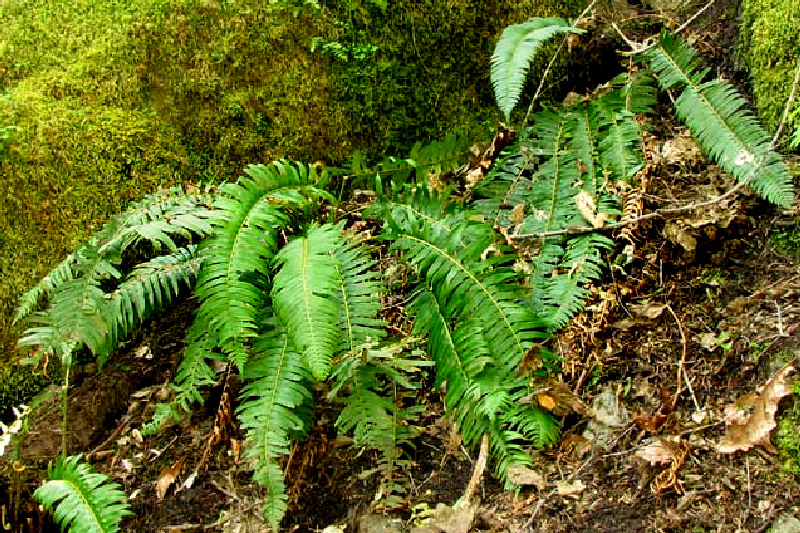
<point>769,34</point>
<point>82,499</point>
<point>291,301</point>
<point>276,407</point>
<point>91,302</point>
<point>513,54</point>
<point>373,384</point>
<point>718,118</point>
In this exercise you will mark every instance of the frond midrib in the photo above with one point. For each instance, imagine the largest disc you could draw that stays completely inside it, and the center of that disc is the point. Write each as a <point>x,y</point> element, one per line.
<point>457,264</point>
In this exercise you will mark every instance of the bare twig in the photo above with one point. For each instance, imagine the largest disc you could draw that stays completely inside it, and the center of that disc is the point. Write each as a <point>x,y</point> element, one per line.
<point>552,61</point>
<point>681,365</point>
<point>787,107</point>
<point>477,472</point>
<point>691,19</point>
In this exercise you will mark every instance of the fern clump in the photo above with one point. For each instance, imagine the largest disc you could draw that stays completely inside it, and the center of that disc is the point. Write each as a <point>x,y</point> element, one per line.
<point>290,296</point>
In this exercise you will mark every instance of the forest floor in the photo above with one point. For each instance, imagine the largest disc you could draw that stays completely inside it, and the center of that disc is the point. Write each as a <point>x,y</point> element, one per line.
<point>693,326</point>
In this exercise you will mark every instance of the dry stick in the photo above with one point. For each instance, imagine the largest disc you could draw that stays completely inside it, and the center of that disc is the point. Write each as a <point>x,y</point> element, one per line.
<point>477,472</point>
<point>681,370</point>
<point>691,19</point>
<point>552,61</point>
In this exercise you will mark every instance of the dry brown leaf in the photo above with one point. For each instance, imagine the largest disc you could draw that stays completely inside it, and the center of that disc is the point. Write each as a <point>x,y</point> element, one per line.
<point>588,209</point>
<point>524,476</point>
<point>658,451</point>
<point>446,519</point>
<point>570,490</point>
<point>555,396</point>
<point>167,478</point>
<point>747,428</point>
<point>517,215</point>
<point>648,310</point>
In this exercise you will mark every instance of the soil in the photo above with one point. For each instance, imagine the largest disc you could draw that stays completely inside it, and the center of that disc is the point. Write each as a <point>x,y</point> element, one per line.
<point>706,300</point>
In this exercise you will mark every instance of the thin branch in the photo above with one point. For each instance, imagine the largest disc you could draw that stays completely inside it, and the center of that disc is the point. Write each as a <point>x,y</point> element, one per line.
<point>691,19</point>
<point>787,107</point>
<point>658,213</point>
<point>552,61</point>
<point>477,472</point>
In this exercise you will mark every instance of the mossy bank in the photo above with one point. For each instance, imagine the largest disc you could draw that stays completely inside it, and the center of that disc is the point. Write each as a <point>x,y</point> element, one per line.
<point>770,50</point>
<point>104,101</point>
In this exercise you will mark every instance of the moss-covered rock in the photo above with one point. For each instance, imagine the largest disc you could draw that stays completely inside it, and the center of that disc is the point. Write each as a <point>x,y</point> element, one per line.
<point>103,101</point>
<point>770,49</point>
<point>18,384</point>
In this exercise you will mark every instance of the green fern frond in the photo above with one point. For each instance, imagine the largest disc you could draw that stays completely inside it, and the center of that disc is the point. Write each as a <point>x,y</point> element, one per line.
<point>194,372</point>
<point>720,121</point>
<point>360,291</point>
<point>82,499</point>
<point>304,293</point>
<point>468,284</point>
<point>513,54</point>
<point>29,301</point>
<point>379,380</point>
<point>276,406</point>
<point>235,261</point>
<point>565,292</point>
<point>151,286</point>
<point>552,191</point>
<point>620,147</point>
<point>81,312</point>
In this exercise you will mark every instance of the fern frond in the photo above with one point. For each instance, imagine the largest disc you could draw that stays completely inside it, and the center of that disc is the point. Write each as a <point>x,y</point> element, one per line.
<point>468,284</point>
<point>78,311</point>
<point>552,191</point>
<point>304,293</point>
<point>29,301</point>
<point>359,291</point>
<point>82,499</point>
<point>276,406</point>
<point>194,372</point>
<point>81,312</point>
<point>513,54</point>
<point>235,268</point>
<point>720,121</point>
<point>380,379</point>
<point>565,291</point>
<point>620,147</point>
<point>151,286</point>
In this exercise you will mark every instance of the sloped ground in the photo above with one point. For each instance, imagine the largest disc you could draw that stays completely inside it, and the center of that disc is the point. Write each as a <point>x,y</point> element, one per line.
<point>700,313</point>
<point>713,295</point>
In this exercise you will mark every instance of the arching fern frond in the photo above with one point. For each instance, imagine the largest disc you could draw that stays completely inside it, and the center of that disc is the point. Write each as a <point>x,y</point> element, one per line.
<point>359,291</point>
<point>82,311</point>
<point>82,499</point>
<point>377,381</point>
<point>563,292</point>
<point>513,54</point>
<point>153,285</point>
<point>720,121</point>
<point>304,293</point>
<point>276,407</point>
<point>236,260</point>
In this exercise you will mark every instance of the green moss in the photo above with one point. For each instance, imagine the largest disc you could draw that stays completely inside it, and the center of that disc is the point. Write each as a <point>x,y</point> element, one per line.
<point>18,385</point>
<point>770,37</point>
<point>787,437</point>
